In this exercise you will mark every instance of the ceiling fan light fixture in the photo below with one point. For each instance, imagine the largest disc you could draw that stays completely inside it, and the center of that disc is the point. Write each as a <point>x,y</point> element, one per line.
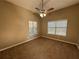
<point>42,15</point>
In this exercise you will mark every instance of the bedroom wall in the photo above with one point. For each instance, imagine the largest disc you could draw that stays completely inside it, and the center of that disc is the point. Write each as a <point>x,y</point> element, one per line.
<point>72,15</point>
<point>14,24</point>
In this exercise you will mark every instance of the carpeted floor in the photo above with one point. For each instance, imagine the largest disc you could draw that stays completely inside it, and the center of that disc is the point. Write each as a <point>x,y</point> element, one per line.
<point>42,48</point>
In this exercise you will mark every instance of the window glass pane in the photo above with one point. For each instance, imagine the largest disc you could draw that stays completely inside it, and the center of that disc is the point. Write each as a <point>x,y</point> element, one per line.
<point>32,27</point>
<point>35,28</point>
<point>62,23</point>
<point>35,24</point>
<point>30,24</point>
<point>51,30</point>
<point>61,31</point>
<point>51,24</point>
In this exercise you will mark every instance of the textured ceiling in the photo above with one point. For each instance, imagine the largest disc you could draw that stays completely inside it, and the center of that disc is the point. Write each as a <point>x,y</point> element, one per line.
<point>32,4</point>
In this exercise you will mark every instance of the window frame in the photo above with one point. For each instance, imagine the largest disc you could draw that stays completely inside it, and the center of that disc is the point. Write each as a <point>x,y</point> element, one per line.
<point>58,27</point>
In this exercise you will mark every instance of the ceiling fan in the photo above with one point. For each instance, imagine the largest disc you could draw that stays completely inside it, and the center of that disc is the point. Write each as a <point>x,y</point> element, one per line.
<point>42,11</point>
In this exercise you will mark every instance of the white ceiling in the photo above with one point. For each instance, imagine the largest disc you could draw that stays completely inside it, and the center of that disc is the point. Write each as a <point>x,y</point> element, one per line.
<point>32,4</point>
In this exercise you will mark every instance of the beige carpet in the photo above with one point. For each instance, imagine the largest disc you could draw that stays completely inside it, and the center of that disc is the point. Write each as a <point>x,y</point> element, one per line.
<point>41,48</point>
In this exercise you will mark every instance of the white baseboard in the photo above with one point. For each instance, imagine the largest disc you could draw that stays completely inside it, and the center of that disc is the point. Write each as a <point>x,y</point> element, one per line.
<point>63,41</point>
<point>18,44</point>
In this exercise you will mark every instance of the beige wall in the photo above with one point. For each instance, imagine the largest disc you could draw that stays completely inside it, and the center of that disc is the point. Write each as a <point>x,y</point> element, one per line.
<point>14,24</point>
<point>72,15</point>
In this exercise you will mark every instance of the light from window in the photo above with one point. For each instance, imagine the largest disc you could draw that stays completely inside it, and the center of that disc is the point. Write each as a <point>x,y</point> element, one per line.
<point>32,27</point>
<point>51,27</point>
<point>57,27</point>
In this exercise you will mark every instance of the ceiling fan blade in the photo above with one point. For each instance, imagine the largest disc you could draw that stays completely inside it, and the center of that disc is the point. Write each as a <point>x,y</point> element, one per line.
<point>37,8</point>
<point>50,9</point>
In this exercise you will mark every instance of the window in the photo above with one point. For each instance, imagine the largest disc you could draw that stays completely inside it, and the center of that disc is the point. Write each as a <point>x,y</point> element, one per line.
<point>51,27</point>
<point>32,27</point>
<point>57,27</point>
